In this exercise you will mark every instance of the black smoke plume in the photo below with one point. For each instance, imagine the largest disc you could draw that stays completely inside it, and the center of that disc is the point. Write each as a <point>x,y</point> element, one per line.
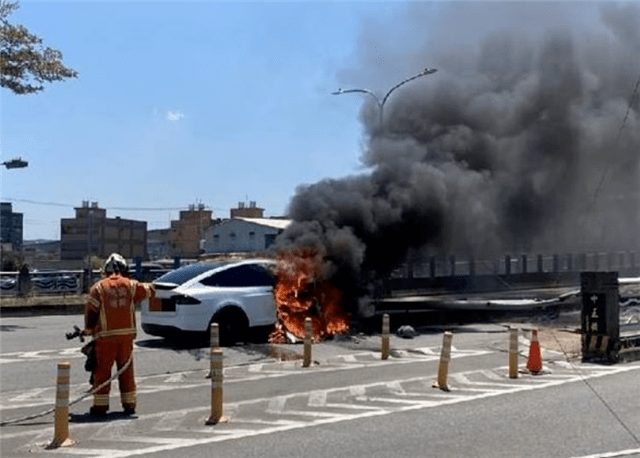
<point>516,144</point>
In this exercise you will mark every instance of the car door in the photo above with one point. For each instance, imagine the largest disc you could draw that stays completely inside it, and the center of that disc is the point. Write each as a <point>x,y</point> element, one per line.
<point>251,287</point>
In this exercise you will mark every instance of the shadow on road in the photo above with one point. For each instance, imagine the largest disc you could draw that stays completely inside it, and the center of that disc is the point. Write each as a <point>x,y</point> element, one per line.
<point>13,327</point>
<point>110,416</point>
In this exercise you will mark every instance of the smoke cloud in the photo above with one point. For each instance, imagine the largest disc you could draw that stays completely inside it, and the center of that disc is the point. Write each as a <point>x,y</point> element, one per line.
<point>516,144</point>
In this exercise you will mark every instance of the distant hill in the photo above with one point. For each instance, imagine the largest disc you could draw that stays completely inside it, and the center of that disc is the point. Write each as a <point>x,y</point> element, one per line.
<point>38,242</point>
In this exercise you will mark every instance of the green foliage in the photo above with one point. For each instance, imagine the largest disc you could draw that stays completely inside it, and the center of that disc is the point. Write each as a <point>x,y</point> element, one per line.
<point>25,64</point>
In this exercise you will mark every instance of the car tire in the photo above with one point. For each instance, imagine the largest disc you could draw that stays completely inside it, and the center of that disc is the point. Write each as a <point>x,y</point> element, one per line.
<point>233,326</point>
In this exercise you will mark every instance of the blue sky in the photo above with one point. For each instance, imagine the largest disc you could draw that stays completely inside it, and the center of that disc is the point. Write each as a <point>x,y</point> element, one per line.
<point>183,103</point>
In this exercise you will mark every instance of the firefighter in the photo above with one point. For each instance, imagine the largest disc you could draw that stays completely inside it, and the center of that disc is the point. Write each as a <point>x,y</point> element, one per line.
<point>110,318</point>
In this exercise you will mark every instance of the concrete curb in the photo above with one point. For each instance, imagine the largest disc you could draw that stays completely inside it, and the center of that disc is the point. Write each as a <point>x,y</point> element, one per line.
<point>42,305</point>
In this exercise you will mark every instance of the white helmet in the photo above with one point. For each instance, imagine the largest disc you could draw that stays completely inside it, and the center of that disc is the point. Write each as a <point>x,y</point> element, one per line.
<point>115,263</point>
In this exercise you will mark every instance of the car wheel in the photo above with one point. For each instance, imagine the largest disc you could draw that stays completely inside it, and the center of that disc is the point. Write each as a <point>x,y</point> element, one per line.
<point>233,326</point>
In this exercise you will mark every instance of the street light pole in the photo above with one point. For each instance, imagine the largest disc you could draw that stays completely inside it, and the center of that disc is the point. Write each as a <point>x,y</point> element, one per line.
<point>426,71</point>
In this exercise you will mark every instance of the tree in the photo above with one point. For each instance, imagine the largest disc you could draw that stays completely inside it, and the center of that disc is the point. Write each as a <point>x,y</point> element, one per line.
<point>25,65</point>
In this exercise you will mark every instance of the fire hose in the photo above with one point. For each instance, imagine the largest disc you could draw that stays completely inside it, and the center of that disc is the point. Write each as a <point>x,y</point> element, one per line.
<point>85,395</point>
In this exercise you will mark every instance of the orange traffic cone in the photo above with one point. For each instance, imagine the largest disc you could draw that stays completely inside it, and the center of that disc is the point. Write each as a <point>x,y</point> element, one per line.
<point>534,363</point>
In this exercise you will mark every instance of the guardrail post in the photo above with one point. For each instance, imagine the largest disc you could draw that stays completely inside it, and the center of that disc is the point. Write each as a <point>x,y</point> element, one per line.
<point>308,340</point>
<point>556,263</point>
<point>138,271</point>
<point>540,264</point>
<point>86,282</point>
<point>507,264</point>
<point>513,353</point>
<point>472,266</point>
<point>570,262</point>
<point>452,261</point>
<point>216,387</point>
<point>61,416</point>
<point>432,267</point>
<point>385,336</point>
<point>583,262</point>
<point>445,357</point>
<point>24,281</point>
<point>524,263</point>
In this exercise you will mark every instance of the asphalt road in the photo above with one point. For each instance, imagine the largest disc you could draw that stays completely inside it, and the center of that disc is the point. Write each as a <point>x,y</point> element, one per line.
<point>349,403</point>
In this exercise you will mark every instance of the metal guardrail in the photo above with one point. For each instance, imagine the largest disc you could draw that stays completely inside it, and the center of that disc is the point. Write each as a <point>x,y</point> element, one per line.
<point>42,283</point>
<point>625,262</point>
<point>55,282</point>
<point>444,272</point>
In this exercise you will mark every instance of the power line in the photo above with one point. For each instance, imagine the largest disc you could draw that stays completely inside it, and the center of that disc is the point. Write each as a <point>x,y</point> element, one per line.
<point>53,204</point>
<point>606,170</point>
<point>58,204</point>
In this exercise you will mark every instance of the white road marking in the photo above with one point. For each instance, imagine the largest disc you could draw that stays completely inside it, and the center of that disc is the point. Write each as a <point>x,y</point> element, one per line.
<point>171,421</point>
<point>463,380</point>
<point>357,390</point>
<point>635,451</point>
<point>396,388</point>
<point>345,406</point>
<point>29,394</point>
<point>42,355</point>
<point>387,400</point>
<point>276,405</point>
<point>259,371</point>
<point>260,421</point>
<point>491,375</point>
<point>309,413</point>
<point>221,433</point>
<point>426,350</point>
<point>318,398</point>
<point>84,452</point>
<point>178,377</point>
<point>350,358</point>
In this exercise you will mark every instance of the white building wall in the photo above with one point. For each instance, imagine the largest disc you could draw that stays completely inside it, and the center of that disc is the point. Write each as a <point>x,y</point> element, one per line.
<point>238,236</point>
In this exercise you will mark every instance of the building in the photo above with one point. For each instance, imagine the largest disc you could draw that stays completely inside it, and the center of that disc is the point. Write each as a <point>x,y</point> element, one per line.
<point>252,211</point>
<point>91,233</point>
<point>243,235</point>
<point>11,252</point>
<point>11,226</point>
<point>43,254</point>
<point>158,243</point>
<point>187,233</point>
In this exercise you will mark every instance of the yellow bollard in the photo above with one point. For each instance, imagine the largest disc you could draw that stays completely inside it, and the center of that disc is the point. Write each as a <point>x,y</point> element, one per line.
<point>385,336</point>
<point>513,353</point>
<point>61,423</point>
<point>215,335</point>
<point>445,356</point>
<point>214,340</point>
<point>308,340</point>
<point>216,387</point>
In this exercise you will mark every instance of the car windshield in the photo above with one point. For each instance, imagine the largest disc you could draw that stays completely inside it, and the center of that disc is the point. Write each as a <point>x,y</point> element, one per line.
<point>186,273</point>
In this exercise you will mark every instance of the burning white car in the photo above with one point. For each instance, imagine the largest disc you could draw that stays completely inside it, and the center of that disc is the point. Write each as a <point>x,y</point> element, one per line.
<point>236,295</point>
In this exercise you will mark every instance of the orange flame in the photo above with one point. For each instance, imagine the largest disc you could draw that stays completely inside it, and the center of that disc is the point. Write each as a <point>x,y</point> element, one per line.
<point>301,292</point>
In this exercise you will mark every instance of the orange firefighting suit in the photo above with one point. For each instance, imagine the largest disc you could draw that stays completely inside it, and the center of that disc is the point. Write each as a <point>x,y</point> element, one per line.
<point>110,316</point>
